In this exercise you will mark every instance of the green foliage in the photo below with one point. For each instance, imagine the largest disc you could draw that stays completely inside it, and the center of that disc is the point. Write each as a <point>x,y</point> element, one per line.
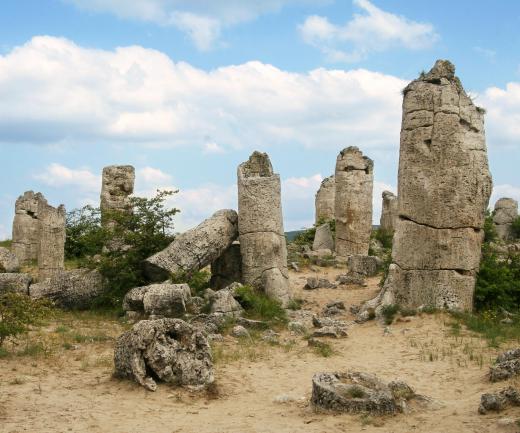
<point>306,237</point>
<point>385,268</point>
<point>6,244</point>
<point>389,312</point>
<point>322,348</point>
<point>18,313</point>
<point>295,304</point>
<point>384,236</point>
<point>198,281</point>
<point>260,307</point>
<point>515,228</point>
<point>490,233</point>
<point>117,249</point>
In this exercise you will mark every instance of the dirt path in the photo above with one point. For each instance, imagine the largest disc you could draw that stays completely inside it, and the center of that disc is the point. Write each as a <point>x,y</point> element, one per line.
<point>261,388</point>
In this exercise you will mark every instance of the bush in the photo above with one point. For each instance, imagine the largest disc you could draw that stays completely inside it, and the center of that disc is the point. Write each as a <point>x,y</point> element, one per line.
<point>384,236</point>
<point>18,312</point>
<point>490,233</point>
<point>198,281</point>
<point>132,237</point>
<point>515,228</point>
<point>259,306</point>
<point>306,237</point>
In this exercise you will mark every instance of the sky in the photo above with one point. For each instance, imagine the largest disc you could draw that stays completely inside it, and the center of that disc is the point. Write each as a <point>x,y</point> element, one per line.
<point>185,90</point>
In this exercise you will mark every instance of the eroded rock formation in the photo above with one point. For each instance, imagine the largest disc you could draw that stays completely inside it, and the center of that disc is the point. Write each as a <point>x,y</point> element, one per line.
<point>389,212</point>
<point>324,200</point>
<point>323,239</point>
<point>117,185</point>
<point>14,282</point>
<point>166,300</point>
<point>260,225</point>
<point>8,261</point>
<point>51,250</point>
<point>195,248</point>
<point>354,181</point>
<point>443,191</point>
<point>506,211</point>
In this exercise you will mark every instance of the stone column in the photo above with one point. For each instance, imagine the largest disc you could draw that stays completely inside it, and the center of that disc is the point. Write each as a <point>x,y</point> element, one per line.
<point>506,211</point>
<point>26,235</point>
<point>324,200</point>
<point>443,191</point>
<point>117,185</point>
<point>260,227</point>
<point>51,251</point>
<point>389,212</point>
<point>353,202</point>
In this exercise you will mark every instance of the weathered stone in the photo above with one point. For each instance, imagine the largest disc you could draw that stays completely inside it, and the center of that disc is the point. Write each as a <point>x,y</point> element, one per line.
<point>497,402</point>
<point>356,392</point>
<point>74,289</point>
<point>195,248</point>
<point>8,261</point>
<point>227,268</point>
<point>363,265</point>
<point>322,322</point>
<point>330,331</point>
<point>260,225</point>
<point>169,350</point>
<point>325,200</point>
<point>14,282</point>
<point>223,302</point>
<point>353,202</point>
<point>334,308</point>
<point>166,300</point>
<point>506,211</point>
<point>443,191</point>
<point>506,366</point>
<point>318,283</point>
<point>389,212</point>
<point>51,250</point>
<point>239,331</point>
<point>323,239</point>
<point>26,227</point>
<point>354,279</point>
<point>117,186</point>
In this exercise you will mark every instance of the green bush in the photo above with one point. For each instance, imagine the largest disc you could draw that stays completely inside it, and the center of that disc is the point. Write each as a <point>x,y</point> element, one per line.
<point>306,237</point>
<point>198,281</point>
<point>18,313</point>
<point>515,227</point>
<point>490,233</point>
<point>260,307</point>
<point>384,236</point>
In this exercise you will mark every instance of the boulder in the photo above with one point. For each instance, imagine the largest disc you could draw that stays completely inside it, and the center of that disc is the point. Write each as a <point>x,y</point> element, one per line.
<point>497,402</point>
<point>351,279</point>
<point>165,300</point>
<point>507,365</point>
<point>169,350</point>
<point>14,282</point>
<point>318,283</point>
<point>506,211</point>
<point>366,266</point>
<point>223,302</point>
<point>8,261</point>
<point>74,289</point>
<point>323,239</point>
<point>195,248</point>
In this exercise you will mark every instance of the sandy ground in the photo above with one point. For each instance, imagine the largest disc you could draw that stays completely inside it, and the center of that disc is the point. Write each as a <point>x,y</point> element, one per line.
<point>260,388</point>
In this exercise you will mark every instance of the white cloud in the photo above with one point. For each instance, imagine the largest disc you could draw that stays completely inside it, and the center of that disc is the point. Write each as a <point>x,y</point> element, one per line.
<point>150,176</point>
<point>135,95</point>
<point>376,30</point>
<point>212,147</point>
<point>57,176</point>
<point>201,20</point>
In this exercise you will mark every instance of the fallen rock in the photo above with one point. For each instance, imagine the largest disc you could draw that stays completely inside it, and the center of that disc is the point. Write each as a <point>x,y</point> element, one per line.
<point>169,350</point>
<point>321,322</point>
<point>366,266</point>
<point>239,331</point>
<point>330,331</point>
<point>351,279</point>
<point>164,300</point>
<point>506,365</point>
<point>74,289</point>
<point>323,239</point>
<point>18,283</point>
<point>314,283</point>
<point>8,261</point>
<point>497,402</point>
<point>357,392</point>
<point>334,308</point>
<point>223,302</point>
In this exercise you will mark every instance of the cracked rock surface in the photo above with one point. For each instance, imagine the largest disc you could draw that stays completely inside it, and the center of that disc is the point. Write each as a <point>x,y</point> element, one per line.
<point>324,200</point>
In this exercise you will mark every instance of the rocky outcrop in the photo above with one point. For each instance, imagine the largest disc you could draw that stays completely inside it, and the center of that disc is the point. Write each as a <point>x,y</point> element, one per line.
<point>163,300</point>
<point>506,211</point>
<point>260,226</point>
<point>8,261</point>
<point>356,392</point>
<point>169,350</point>
<point>14,282</point>
<point>497,402</point>
<point>195,248</point>
<point>507,365</point>
<point>74,289</point>
<point>325,200</point>
<point>389,212</point>
<point>224,302</point>
<point>443,190</point>
<point>364,266</point>
<point>323,239</point>
<point>116,188</point>
<point>26,227</point>
<point>353,202</point>
<point>227,268</point>
<point>51,250</point>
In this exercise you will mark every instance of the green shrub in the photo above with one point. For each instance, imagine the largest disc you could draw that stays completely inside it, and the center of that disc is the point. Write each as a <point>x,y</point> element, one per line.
<point>306,237</point>
<point>490,233</point>
<point>260,307</point>
<point>6,244</point>
<point>389,312</point>
<point>198,281</point>
<point>384,236</point>
<point>515,228</point>
<point>18,313</point>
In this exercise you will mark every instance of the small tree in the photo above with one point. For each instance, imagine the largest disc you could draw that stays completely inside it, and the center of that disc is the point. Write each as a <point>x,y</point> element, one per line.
<point>515,228</point>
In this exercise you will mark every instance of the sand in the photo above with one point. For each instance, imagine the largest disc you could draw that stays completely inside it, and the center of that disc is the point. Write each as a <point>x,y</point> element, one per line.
<point>260,388</point>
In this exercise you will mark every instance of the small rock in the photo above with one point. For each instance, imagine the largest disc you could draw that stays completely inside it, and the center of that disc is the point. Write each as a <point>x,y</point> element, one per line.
<point>252,324</point>
<point>330,331</point>
<point>270,336</point>
<point>294,266</point>
<point>351,279</point>
<point>239,331</point>
<point>497,402</point>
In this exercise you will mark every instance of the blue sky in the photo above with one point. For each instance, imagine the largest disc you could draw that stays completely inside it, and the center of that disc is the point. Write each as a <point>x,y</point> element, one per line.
<point>185,90</point>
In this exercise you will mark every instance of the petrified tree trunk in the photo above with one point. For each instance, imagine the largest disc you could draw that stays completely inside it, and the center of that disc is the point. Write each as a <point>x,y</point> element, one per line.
<point>353,202</point>
<point>506,211</point>
<point>443,191</point>
<point>389,212</point>
<point>117,185</point>
<point>324,200</point>
<point>260,226</point>
<point>51,251</point>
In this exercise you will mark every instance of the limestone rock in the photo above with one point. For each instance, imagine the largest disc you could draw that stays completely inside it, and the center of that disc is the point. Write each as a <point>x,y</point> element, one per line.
<point>506,366</point>
<point>239,331</point>
<point>227,268</point>
<point>260,224</point>
<point>366,266</point>
<point>166,300</point>
<point>353,202</point>
<point>322,322</point>
<point>314,283</point>
<point>117,186</point>
<point>330,331</point>
<point>323,239</point>
<point>195,248</point>
<point>357,392</point>
<point>351,279</point>
<point>8,261</point>
<point>169,350</point>
<point>497,402</point>
<point>325,200</point>
<point>506,211</point>
<point>389,212</point>
<point>14,282</point>
<point>223,302</point>
<point>51,249</point>
<point>73,289</point>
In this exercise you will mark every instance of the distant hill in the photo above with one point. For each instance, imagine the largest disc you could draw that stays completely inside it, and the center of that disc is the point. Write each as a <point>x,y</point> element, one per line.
<point>292,234</point>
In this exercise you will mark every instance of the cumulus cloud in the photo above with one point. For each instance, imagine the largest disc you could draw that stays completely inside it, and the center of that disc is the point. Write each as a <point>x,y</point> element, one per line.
<point>375,30</point>
<point>134,95</point>
<point>57,176</point>
<point>201,20</point>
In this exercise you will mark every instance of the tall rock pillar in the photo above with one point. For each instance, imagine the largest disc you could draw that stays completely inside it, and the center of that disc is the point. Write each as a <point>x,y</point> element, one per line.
<point>324,200</point>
